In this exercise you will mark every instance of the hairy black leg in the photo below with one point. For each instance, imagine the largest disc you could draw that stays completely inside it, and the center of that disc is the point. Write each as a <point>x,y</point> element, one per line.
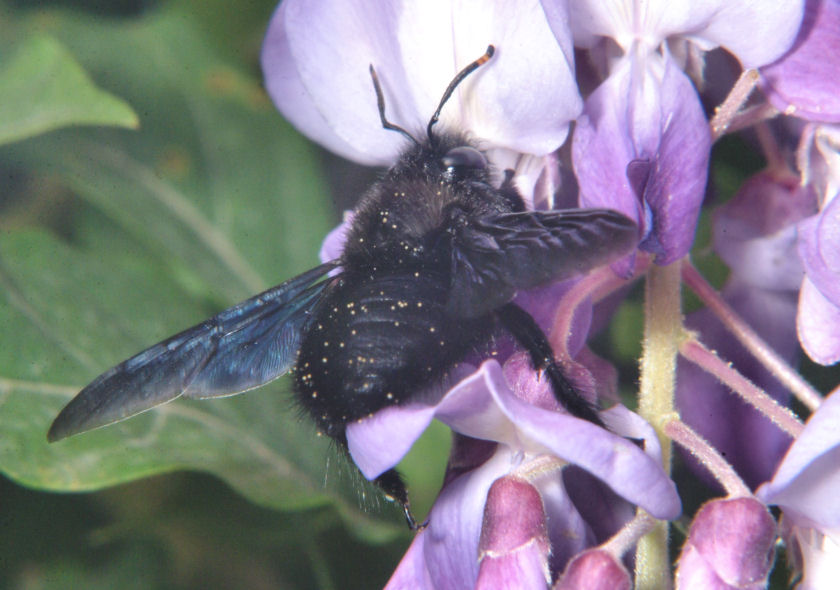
<point>528,334</point>
<point>392,484</point>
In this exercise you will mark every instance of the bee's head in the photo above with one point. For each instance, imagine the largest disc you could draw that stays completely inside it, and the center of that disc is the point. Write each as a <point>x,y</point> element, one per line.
<point>460,161</point>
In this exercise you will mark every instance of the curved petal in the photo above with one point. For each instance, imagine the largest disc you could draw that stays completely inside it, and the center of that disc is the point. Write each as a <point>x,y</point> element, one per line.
<point>451,540</point>
<point>647,155</point>
<point>288,88</point>
<point>523,99</point>
<point>818,325</point>
<point>412,573</point>
<point>602,147</point>
<point>748,29</point>
<point>618,462</point>
<point>819,248</point>
<point>808,478</point>
<point>804,82</point>
<point>333,245</point>
<point>379,442</point>
<point>482,406</point>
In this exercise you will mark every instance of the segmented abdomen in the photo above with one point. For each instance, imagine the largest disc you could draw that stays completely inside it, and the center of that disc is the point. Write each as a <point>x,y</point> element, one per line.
<point>375,342</point>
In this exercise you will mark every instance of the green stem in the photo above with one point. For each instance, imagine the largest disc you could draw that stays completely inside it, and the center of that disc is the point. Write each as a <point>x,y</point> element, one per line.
<point>662,337</point>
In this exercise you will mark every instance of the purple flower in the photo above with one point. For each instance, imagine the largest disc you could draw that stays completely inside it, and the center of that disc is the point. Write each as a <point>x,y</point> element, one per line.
<point>755,233</point>
<point>730,546</point>
<point>594,569</point>
<point>818,320</point>
<point>642,144</point>
<point>805,487</point>
<point>819,299</point>
<point>521,103</point>
<point>533,442</point>
<point>804,82</point>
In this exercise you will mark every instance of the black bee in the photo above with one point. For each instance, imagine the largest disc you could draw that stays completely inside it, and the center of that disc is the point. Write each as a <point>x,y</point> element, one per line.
<point>433,258</point>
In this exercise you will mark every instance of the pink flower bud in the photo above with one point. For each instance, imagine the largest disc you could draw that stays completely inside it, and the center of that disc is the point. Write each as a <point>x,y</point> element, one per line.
<point>595,569</point>
<point>729,545</point>
<point>514,544</point>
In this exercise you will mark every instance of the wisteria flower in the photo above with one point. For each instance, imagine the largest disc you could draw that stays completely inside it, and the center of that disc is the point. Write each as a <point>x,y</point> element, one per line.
<point>804,81</point>
<point>642,144</point>
<point>417,48</point>
<point>818,319</point>
<point>805,488</point>
<point>533,441</point>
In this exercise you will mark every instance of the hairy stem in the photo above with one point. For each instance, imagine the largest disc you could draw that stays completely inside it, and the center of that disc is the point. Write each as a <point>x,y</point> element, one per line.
<point>710,362</point>
<point>682,434</point>
<point>750,339</point>
<point>663,333</point>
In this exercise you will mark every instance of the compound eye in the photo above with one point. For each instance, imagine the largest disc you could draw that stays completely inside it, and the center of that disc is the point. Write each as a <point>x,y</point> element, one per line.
<point>464,158</point>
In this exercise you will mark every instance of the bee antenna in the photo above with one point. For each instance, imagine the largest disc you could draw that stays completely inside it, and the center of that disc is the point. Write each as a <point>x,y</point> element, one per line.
<point>459,77</point>
<point>380,103</point>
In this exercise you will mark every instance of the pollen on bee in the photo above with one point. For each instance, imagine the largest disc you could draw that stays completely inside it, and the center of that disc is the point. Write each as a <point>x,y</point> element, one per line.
<point>323,359</point>
<point>341,344</point>
<point>389,395</point>
<point>314,394</point>
<point>326,342</point>
<point>352,332</point>
<point>396,324</point>
<point>419,304</point>
<point>432,329</point>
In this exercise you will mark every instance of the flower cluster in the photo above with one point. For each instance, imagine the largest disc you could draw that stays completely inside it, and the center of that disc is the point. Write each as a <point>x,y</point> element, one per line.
<point>604,104</point>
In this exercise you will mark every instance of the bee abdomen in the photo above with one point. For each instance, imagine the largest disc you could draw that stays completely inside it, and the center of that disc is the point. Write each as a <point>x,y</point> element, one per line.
<point>378,342</point>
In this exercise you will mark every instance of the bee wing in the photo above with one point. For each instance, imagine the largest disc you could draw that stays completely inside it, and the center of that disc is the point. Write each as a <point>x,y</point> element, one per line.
<point>494,257</point>
<point>242,347</point>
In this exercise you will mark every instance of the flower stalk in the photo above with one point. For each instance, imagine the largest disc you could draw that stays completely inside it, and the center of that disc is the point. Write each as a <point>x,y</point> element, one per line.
<point>789,377</point>
<point>662,335</point>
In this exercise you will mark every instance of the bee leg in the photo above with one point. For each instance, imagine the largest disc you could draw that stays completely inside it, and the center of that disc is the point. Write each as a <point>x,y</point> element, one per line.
<point>394,488</point>
<point>530,336</point>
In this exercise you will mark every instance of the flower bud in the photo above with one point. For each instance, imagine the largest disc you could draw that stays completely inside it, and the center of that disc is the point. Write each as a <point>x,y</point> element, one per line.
<point>514,545</point>
<point>594,569</point>
<point>729,545</point>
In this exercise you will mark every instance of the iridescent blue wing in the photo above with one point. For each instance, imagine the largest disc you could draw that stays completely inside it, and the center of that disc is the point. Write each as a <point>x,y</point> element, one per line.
<point>242,347</point>
<point>494,257</point>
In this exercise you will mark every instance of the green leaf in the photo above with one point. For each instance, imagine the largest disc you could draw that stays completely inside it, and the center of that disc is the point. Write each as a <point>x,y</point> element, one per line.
<point>43,88</point>
<point>212,200</point>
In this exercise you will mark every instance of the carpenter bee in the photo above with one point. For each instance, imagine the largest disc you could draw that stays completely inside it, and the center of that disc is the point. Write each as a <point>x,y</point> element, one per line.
<point>433,259</point>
